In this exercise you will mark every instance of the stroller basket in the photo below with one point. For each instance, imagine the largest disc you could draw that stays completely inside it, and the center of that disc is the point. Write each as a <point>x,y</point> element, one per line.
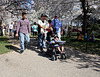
<point>61,42</point>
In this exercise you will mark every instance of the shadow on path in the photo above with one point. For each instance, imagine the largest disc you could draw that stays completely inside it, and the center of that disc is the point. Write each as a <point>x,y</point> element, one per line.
<point>32,46</point>
<point>83,60</point>
<point>13,48</point>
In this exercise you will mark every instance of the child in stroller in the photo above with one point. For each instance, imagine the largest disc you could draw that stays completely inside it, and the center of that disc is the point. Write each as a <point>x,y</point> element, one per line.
<point>55,49</point>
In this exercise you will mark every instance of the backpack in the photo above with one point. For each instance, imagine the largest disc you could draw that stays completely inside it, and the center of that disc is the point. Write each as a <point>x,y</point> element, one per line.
<point>54,30</point>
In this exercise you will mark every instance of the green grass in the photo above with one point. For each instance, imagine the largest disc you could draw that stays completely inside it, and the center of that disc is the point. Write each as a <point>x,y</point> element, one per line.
<point>97,38</point>
<point>86,47</point>
<point>3,44</point>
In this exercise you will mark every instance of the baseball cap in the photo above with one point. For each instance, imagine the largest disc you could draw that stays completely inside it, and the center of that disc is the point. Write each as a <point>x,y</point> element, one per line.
<point>44,15</point>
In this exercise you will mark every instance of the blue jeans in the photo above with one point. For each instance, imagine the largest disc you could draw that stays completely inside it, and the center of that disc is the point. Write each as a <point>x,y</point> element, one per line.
<point>38,40</point>
<point>59,35</point>
<point>24,40</point>
<point>41,41</point>
<point>11,31</point>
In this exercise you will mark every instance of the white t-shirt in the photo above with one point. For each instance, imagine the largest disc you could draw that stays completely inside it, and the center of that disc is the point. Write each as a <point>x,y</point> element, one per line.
<point>44,24</point>
<point>10,26</point>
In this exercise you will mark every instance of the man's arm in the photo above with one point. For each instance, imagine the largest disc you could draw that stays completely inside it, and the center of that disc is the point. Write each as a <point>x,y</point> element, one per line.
<point>52,42</point>
<point>39,23</point>
<point>17,29</point>
<point>41,26</point>
<point>29,28</point>
<point>47,26</point>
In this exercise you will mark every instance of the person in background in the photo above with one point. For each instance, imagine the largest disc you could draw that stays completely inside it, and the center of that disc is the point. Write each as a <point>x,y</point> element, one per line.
<point>7,28</point>
<point>93,38</point>
<point>34,29</point>
<point>77,36</point>
<point>3,30</point>
<point>11,29</point>
<point>14,28</point>
<point>49,31</point>
<point>86,37</point>
<point>24,32</point>
<point>57,26</point>
<point>63,33</point>
<point>81,37</point>
<point>0,30</point>
<point>65,30</point>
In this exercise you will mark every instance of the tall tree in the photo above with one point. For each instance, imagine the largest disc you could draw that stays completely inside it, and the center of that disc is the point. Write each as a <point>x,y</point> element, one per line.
<point>84,15</point>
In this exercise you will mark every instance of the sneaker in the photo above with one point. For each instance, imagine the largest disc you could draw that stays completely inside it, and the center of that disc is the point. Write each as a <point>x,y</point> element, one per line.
<point>25,46</point>
<point>21,51</point>
<point>37,48</point>
<point>42,51</point>
<point>44,47</point>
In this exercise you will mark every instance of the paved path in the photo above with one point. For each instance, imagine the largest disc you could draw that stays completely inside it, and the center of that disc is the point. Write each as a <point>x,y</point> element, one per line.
<point>32,64</point>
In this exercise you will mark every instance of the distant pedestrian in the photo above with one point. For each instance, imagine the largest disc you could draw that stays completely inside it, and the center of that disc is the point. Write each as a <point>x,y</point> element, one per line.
<point>11,29</point>
<point>65,30</point>
<point>3,30</point>
<point>14,28</point>
<point>93,38</point>
<point>86,37</point>
<point>49,31</point>
<point>34,29</point>
<point>1,33</point>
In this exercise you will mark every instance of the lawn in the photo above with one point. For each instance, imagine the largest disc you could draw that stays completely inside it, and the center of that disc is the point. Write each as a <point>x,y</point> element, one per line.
<point>86,47</point>
<point>3,44</point>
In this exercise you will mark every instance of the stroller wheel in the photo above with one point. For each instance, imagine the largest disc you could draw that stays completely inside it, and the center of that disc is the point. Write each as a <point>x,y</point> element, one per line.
<point>53,58</point>
<point>61,56</point>
<point>64,56</point>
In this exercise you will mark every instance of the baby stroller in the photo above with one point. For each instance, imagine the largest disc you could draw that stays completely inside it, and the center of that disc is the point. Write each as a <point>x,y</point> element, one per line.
<point>53,53</point>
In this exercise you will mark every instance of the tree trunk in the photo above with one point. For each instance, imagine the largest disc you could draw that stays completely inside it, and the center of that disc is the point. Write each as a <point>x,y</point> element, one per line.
<point>84,15</point>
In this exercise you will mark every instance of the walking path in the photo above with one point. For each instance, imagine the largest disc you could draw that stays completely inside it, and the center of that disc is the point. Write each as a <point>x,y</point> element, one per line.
<point>33,64</point>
